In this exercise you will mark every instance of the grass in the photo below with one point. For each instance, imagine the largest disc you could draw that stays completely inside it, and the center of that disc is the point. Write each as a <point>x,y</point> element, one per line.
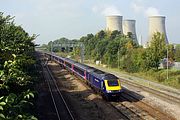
<point>154,76</point>
<point>151,75</point>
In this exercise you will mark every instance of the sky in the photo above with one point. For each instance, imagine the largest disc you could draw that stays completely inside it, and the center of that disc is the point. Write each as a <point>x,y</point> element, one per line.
<point>53,19</point>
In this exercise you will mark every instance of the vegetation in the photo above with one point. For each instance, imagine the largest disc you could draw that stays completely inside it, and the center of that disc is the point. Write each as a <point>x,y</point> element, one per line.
<point>17,71</point>
<point>157,49</point>
<point>119,51</point>
<point>177,53</point>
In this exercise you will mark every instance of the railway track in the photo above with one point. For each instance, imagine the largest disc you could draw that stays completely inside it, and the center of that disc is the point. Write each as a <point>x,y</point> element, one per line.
<point>162,95</point>
<point>152,111</point>
<point>165,96</point>
<point>125,112</point>
<point>63,112</point>
<point>129,114</point>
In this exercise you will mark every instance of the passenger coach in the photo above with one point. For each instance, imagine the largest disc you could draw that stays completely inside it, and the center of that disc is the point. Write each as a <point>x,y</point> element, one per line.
<point>108,85</point>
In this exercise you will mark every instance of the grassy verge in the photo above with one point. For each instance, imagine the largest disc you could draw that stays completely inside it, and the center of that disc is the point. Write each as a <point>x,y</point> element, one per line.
<point>151,75</point>
<point>154,76</point>
<point>161,77</point>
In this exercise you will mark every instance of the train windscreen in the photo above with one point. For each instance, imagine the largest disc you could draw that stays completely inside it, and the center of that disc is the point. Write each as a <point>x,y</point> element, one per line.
<point>113,83</point>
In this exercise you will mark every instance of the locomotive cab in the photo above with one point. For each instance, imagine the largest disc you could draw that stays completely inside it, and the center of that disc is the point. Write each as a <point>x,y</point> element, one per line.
<point>112,86</point>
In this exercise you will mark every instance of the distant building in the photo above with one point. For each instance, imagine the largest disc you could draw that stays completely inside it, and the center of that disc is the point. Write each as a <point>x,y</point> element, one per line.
<point>129,26</point>
<point>157,24</point>
<point>114,22</point>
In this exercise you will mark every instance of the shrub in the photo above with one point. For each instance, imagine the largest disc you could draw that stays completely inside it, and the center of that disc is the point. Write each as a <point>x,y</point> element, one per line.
<point>178,78</point>
<point>160,76</point>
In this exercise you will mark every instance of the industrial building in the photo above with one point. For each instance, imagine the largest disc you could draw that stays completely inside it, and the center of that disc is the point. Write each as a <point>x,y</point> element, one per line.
<point>157,24</point>
<point>114,23</point>
<point>129,26</point>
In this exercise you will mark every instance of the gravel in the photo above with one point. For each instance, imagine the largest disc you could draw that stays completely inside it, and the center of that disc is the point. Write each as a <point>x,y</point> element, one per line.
<point>167,107</point>
<point>85,104</point>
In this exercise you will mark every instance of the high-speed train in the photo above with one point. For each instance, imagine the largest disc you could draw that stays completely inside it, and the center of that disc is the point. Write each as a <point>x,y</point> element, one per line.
<point>108,85</point>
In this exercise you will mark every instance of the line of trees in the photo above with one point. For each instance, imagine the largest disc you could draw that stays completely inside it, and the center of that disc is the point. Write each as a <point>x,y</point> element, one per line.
<point>117,50</point>
<point>177,53</point>
<point>17,70</point>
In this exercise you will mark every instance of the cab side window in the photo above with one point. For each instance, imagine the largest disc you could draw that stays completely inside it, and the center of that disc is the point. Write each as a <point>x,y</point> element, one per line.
<point>102,85</point>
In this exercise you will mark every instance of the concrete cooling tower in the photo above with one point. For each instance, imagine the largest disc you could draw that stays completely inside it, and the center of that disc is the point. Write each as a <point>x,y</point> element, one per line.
<point>157,24</point>
<point>129,26</point>
<point>114,23</point>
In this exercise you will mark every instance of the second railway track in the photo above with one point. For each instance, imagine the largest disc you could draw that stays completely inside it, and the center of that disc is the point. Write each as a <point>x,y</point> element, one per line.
<point>156,113</point>
<point>63,112</point>
<point>164,96</point>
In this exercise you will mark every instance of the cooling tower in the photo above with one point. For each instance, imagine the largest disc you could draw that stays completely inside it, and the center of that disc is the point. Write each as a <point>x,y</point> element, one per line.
<point>157,24</point>
<point>114,23</point>
<point>129,27</point>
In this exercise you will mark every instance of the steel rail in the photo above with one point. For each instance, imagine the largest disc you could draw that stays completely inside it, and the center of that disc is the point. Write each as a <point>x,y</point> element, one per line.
<point>60,94</point>
<point>50,89</point>
<point>123,114</point>
<point>153,91</point>
<point>146,107</point>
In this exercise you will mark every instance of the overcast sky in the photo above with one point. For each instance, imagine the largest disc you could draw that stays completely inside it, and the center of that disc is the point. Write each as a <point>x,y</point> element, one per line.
<point>53,19</point>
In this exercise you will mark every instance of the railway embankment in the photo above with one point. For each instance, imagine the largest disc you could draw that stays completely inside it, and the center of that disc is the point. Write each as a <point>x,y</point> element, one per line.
<point>141,81</point>
<point>165,98</point>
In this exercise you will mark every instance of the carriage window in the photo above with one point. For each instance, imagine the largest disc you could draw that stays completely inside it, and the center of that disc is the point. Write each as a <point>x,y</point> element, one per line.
<point>68,65</point>
<point>81,72</point>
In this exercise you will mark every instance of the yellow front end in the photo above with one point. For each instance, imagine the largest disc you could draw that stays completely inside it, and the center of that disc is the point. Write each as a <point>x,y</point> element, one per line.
<point>112,88</point>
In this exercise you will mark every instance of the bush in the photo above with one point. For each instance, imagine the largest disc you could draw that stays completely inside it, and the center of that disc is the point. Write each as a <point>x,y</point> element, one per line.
<point>174,72</point>
<point>178,78</point>
<point>160,76</point>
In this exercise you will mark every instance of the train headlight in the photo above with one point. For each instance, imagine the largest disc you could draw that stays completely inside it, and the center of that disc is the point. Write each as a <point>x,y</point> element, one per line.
<point>109,91</point>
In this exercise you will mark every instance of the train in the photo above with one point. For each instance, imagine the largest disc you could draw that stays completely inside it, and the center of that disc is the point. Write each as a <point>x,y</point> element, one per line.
<point>108,85</point>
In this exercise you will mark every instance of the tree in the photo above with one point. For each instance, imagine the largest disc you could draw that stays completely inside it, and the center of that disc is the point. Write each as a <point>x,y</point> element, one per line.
<point>171,52</point>
<point>177,53</point>
<point>17,61</point>
<point>157,49</point>
<point>100,49</point>
<point>114,34</point>
<point>101,34</point>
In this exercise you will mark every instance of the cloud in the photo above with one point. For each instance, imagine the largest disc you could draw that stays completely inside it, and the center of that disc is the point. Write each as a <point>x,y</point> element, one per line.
<point>106,10</point>
<point>111,10</point>
<point>139,7</point>
<point>151,11</point>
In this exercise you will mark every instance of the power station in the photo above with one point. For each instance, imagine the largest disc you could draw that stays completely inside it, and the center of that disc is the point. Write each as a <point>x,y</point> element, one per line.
<point>157,24</point>
<point>114,23</point>
<point>129,26</point>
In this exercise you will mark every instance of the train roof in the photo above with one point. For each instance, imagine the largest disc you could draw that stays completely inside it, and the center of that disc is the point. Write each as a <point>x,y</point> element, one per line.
<point>109,76</point>
<point>103,75</point>
<point>85,67</point>
<point>70,60</point>
<point>97,71</point>
<point>82,66</point>
<point>59,57</point>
